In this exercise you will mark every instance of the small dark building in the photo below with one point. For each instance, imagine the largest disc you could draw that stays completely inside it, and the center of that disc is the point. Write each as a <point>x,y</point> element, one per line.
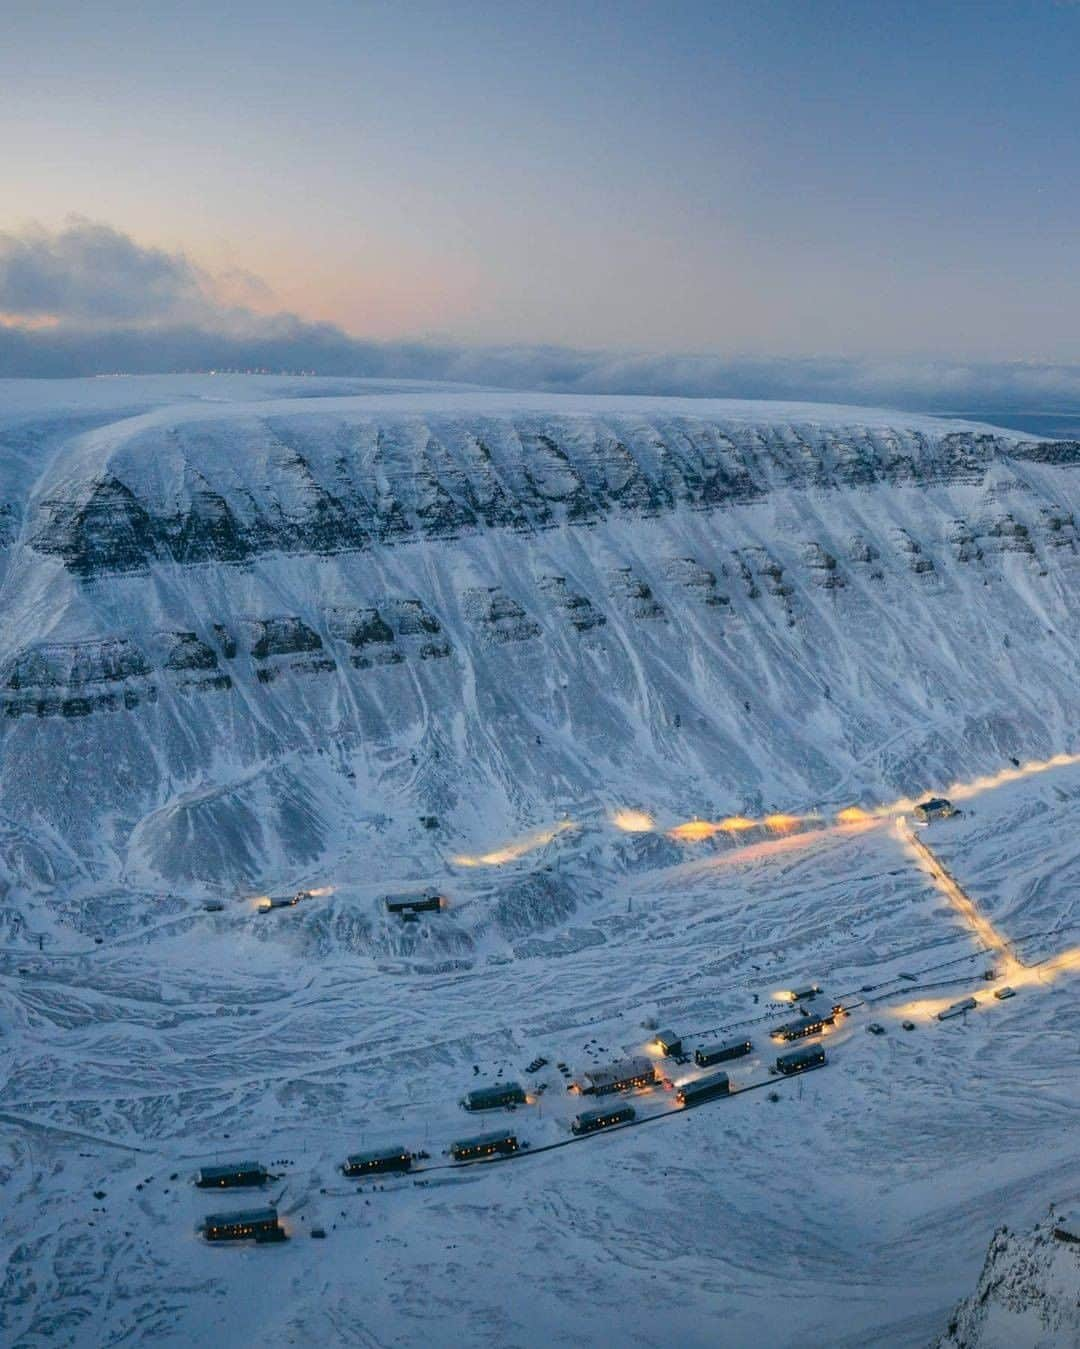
<point>377,1163</point>
<point>622,1076</point>
<point>804,1026</point>
<point>799,1060</point>
<point>255,1224</point>
<point>806,993</point>
<point>668,1043</point>
<point>606,1117</point>
<point>484,1145</point>
<point>492,1098</point>
<point>230,1175</point>
<point>422,903</point>
<point>937,808</point>
<point>707,1055</point>
<point>702,1089</point>
<point>277,902</point>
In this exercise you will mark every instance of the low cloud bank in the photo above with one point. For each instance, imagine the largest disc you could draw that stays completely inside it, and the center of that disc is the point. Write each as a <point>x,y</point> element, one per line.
<point>89,300</point>
<point>288,344</point>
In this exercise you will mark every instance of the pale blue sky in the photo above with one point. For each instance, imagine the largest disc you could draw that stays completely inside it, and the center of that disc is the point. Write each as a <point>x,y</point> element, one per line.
<point>774,177</point>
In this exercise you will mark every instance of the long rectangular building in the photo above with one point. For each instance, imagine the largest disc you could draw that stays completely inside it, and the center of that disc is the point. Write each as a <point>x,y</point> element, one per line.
<point>484,1145</point>
<point>707,1055</point>
<point>258,1224</point>
<point>705,1088</point>
<point>804,1026</point>
<point>422,903</point>
<point>231,1174</point>
<point>377,1163</point>
<point>622,1076</point>
<point>605,1117</point>
<point>491,1098</point>
<point>800,1060</point>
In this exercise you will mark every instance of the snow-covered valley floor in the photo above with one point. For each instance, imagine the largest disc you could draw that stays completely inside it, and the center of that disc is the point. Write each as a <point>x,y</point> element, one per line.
<point>853,1210</point>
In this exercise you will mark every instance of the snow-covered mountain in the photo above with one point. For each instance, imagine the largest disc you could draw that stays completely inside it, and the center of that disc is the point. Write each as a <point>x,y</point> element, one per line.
<point>246,631</point>
<point>1028,1292</point>
<point>261,633</point>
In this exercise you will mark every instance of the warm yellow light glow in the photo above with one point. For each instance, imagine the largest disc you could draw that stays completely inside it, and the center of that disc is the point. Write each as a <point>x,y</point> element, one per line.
<point>693,830</point>
<point>782,823</point>
<point>1010,971</point>
<point>322,890</point>
<point>978,922</point>
<point>633,821</point>
<point>512,851</point>
<point>923,1009</point>
<point>965,791</point>
<point>1065,962</point>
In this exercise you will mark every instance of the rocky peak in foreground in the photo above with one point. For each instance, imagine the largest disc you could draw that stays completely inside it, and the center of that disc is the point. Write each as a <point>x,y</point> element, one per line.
<point>1028,1295</point>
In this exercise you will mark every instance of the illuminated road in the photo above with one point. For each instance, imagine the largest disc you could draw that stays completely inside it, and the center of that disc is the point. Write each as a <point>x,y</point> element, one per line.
<point>1010,971</point>
<point>637,820</point>
<point>782,833</point>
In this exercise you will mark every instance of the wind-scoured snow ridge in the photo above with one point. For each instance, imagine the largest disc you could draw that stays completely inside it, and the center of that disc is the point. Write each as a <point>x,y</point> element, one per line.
<point>1028,1292</point>
<point>249,636</point>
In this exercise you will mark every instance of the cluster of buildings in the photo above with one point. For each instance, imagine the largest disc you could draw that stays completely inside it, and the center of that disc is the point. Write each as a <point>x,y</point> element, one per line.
<point>638,1072</point>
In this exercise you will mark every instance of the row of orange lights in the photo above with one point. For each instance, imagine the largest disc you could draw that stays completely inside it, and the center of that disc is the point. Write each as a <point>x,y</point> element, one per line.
<point>634,820</point>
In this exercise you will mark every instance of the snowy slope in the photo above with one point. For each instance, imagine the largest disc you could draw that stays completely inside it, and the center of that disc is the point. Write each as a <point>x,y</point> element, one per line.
<point>237,635</point>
